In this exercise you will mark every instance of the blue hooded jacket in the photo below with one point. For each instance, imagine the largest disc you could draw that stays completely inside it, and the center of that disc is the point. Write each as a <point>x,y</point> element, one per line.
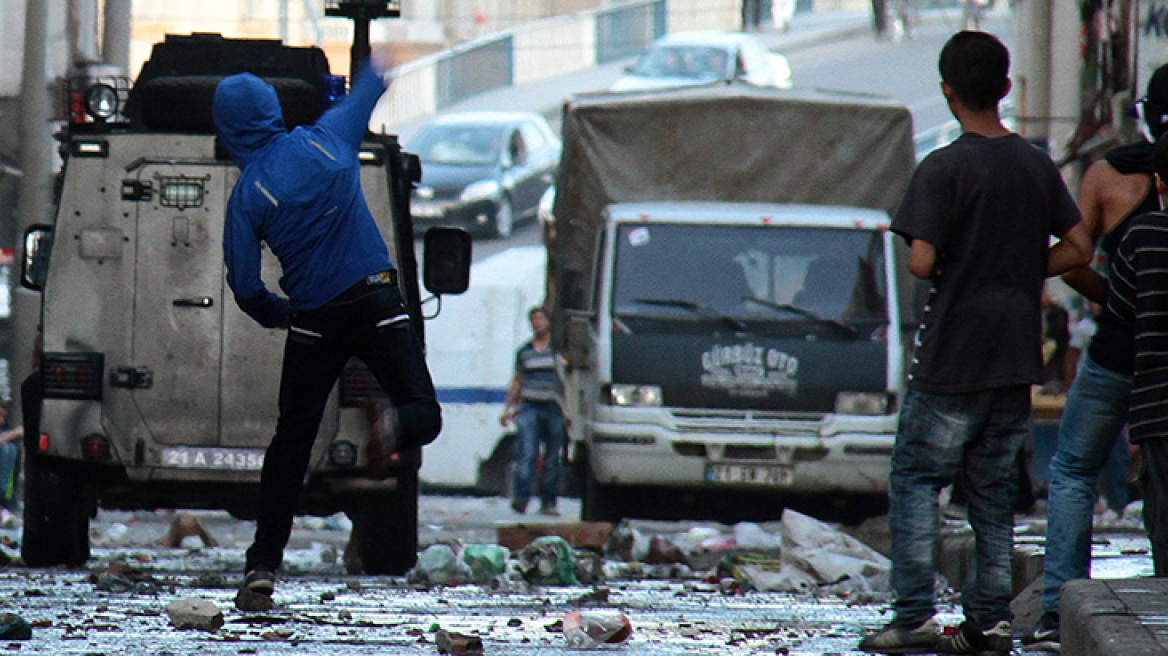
<point>299,192</point>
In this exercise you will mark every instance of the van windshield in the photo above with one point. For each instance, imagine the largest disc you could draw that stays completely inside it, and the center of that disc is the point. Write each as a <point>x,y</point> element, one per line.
<point>757,276</point>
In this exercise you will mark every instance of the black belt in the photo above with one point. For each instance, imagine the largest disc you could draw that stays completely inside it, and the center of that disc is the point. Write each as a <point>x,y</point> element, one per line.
<point>387,277</point>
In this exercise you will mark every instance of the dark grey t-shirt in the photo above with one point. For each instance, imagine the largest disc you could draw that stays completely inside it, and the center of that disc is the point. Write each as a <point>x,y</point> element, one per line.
<point>989,206</point>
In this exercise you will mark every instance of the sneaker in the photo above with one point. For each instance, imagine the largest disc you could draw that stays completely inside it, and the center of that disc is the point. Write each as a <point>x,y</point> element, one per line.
<point>549,512</point>
<point>518,507</point>
<point>1045,634</point>
<point>968,639</point>
<point>261,581</point>
<point>895,639</point>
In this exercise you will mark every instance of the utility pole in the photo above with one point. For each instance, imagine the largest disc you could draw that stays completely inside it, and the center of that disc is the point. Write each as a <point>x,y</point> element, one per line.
<point>1032,69</point>
<point>36,142</point>
<point>115,38</point>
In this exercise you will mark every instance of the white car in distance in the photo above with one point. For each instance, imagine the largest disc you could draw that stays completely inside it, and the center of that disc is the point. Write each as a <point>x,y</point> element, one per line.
<point>703,56</point>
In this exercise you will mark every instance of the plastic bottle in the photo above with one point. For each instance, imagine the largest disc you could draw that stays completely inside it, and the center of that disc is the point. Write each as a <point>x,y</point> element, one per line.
<point>588,630</point>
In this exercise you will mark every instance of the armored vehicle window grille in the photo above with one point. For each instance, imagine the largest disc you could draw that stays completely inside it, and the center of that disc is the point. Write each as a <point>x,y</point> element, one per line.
<point>181,192</point>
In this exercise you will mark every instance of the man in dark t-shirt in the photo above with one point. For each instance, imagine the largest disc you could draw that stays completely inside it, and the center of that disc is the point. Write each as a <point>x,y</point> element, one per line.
<point>978,215</point>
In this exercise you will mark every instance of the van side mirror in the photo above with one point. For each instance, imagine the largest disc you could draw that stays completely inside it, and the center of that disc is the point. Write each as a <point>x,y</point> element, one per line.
<point>446,260</point>
<point>34,266</point>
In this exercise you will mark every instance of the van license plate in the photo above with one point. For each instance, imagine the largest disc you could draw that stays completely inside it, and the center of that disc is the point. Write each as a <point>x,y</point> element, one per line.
<point>750,474</point>
<point>199,457</point>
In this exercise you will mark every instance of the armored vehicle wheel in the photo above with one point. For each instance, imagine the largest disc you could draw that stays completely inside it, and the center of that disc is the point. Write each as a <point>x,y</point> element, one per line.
<point>384,540</point>
<point>56,523</point>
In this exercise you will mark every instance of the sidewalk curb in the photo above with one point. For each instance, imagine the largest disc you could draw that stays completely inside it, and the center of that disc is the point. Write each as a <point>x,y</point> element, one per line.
<point>1118,616</point>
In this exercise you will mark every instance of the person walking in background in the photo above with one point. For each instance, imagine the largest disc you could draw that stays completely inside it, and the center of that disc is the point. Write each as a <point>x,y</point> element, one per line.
<point>978,215</point>
<point>300,192</point>
<point>1113,191</point>
<point>533,405</point>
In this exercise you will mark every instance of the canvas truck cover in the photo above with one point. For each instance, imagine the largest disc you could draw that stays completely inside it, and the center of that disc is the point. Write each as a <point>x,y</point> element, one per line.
<point>724,142</point>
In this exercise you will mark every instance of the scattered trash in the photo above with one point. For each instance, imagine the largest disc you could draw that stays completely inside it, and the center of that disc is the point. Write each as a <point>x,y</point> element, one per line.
<point>486,561</point>
<point>663,550</point>
<point>752,537</point>
<point>450,642</point>
<point>589,567</point>
<point>591,629</point>
<point>627,544</point>
<point>118,578</point>
<point>195,614</point>
<point>438,564</point>
<point>832,557</point>
<point>186,525</point>
<point>548,560</point>
<point>14,627</point>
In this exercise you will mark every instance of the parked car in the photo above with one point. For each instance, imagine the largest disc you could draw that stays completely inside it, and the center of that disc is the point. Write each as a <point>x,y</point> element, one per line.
<point>700,57</point>
<point>483,170</point>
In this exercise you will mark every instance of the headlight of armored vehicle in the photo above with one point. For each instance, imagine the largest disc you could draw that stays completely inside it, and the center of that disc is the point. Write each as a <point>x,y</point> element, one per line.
<point>635,395</point>
<point>101,101</point>
<point>861,403</point>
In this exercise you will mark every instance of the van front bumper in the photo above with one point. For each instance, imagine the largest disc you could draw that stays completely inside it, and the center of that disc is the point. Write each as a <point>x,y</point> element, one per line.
<point>646,454</point>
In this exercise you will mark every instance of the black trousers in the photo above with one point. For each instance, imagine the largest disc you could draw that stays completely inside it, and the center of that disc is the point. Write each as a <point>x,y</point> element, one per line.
<point>1154,481</point>
<point>369,322</point>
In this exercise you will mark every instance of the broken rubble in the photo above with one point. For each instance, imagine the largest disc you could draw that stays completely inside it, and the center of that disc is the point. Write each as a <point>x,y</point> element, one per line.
<point>458,644</point>
<point>195,614</point>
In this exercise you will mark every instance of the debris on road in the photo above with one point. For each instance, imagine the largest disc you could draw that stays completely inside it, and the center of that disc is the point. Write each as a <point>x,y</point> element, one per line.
<point>579,535</point>
<point>14,627</point>
<point>440,564</point>
<point>458,644</point>
<point>195,614</point>
<point>548,560</point>
<point>586,630</point>
<point>186,526</point>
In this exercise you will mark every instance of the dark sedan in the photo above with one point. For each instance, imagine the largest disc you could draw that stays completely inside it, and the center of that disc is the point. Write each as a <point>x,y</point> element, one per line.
<point>483,170</point>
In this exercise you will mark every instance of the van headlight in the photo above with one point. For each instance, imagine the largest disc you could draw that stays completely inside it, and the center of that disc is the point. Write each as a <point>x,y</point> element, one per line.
<point>635,395</point>
<point>862,403</point>
<point>481,190</point>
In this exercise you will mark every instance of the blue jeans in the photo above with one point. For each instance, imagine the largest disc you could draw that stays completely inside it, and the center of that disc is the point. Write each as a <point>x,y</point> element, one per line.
<point>1093,418</point>
<point>975,438</point>
<point>538,424</point>
<point>366,322</point>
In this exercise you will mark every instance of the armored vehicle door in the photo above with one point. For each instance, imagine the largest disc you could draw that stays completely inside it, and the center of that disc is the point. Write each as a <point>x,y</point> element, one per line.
<point>207,375</point>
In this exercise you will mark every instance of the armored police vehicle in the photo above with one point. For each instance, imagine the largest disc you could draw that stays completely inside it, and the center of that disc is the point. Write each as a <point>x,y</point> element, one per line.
<point>151,388</point>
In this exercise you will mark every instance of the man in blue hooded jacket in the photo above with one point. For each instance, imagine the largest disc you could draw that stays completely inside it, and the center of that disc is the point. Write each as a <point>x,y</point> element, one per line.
<point>300,193</point>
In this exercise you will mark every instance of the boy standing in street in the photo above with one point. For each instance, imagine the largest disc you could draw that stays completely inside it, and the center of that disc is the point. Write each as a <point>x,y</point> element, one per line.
<point>978,215</point>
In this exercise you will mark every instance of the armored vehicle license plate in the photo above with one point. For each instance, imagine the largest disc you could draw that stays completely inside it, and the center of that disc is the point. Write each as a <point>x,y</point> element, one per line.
<point>201,457</point>
<point>749,474</point>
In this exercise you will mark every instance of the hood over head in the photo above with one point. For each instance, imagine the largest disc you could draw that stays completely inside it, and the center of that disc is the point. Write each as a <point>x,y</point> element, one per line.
<point>247,114</point>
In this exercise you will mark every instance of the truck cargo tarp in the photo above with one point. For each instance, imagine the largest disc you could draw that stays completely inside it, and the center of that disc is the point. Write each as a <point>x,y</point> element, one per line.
<point>725,142</point>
